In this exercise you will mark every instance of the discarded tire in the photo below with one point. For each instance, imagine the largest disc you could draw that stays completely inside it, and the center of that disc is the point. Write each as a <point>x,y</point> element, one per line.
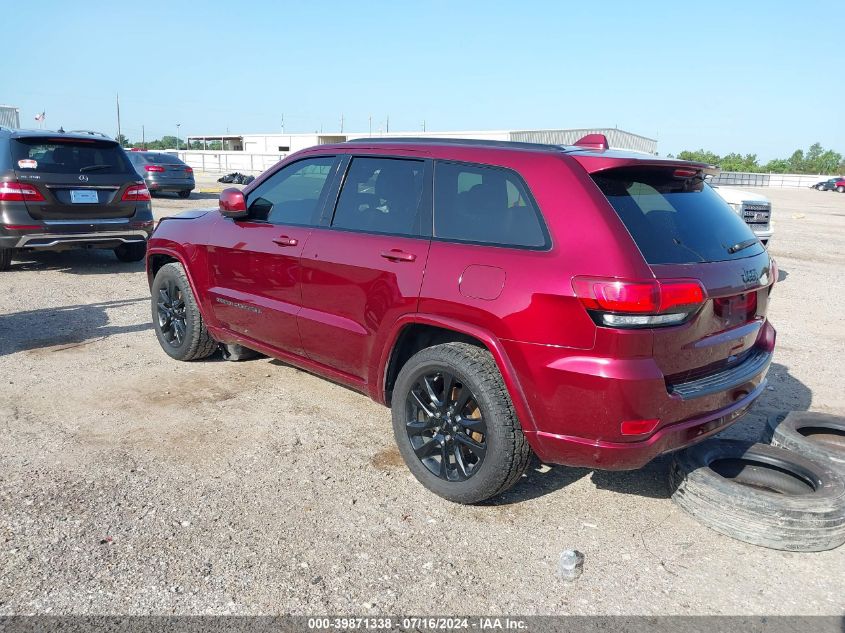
<point>761,494</point>
<point>819,436</point>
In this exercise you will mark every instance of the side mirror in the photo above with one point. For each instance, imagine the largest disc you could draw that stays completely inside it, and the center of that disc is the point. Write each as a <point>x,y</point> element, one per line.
<point>232,203</point>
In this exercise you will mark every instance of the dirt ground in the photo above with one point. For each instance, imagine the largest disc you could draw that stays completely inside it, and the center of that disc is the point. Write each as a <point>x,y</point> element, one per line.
<point>134,484</point>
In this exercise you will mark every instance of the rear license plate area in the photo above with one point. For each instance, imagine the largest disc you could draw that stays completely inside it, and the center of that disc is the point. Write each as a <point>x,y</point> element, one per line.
<point>84,196</point>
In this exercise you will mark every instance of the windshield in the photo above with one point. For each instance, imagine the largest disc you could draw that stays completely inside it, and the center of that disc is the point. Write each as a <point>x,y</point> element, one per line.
<point>676,220</point>
<point>59,156</point>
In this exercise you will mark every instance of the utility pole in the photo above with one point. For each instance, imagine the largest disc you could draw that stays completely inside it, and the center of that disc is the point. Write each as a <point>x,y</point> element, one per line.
<point>371,125</point>
<point>387,125</point>
<point>423,125</point>
<point>283,122</point>
<point>341,123</point>
<point>143,137</point>
<point>178,125</point>
<point>117,97</point>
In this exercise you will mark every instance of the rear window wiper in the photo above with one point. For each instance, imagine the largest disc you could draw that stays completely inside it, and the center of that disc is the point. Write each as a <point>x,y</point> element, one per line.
<point>94,168</point>
<point>742,245</point>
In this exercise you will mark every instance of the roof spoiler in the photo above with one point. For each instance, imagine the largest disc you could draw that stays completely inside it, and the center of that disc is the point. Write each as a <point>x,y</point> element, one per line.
<point>593,141</point>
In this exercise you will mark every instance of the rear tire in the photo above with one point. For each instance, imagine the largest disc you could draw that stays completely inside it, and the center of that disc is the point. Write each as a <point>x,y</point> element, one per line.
<point>5,259</point>
<point>184,194</point>
<point>133,252</point>
<point>476,431</point>
<point>761,495</point>
<point>176,316</point>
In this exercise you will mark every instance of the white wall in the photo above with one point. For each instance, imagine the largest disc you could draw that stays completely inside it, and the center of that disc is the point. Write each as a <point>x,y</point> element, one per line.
<point>227,162</point>
<point>748,179</point>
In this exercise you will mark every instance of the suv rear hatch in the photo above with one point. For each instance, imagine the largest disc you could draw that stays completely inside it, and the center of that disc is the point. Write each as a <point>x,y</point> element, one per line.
<point>77,179</point>
<point>170,166</point>
<point>685,231</point>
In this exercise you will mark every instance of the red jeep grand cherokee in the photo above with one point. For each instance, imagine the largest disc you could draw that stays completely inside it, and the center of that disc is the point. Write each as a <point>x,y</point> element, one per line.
<point>598,308</point>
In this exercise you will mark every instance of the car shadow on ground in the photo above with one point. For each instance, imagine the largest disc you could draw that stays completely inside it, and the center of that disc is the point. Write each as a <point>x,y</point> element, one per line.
<point>64,327</point>
<point>784,393</point>
<point>77,262</point>
<point>195,195</point>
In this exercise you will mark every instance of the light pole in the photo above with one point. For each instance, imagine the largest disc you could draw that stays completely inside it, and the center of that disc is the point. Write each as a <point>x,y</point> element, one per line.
<point>178,125</point>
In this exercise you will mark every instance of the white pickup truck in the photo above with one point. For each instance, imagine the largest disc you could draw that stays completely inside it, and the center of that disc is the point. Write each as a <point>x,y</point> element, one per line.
<point>755,209</point>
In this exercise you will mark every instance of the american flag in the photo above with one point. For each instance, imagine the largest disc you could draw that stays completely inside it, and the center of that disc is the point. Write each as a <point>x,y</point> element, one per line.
<point>40,117</point>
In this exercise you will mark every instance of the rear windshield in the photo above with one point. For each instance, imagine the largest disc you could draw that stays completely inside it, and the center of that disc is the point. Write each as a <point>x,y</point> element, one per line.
<point>57,156</point>
<point>162,159</point>
<point>676,220</point>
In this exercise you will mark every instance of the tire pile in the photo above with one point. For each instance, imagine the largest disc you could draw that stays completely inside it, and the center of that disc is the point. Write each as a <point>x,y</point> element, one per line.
<point>236,178</point>
<point>788,494</point>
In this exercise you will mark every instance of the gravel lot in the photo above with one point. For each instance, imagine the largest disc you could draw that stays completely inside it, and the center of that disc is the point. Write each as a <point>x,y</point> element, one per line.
<point>134,484</point>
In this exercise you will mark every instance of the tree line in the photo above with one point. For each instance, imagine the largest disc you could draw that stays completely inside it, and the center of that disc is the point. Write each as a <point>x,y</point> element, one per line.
<point>816,160</point>
<point>167,142</point>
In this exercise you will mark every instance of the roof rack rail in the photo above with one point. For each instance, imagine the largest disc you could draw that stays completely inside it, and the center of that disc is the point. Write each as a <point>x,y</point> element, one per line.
<point>90,133</point>
<point>433,140</point>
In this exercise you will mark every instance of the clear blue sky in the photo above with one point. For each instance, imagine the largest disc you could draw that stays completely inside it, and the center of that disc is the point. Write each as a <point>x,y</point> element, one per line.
<point>763,77</point>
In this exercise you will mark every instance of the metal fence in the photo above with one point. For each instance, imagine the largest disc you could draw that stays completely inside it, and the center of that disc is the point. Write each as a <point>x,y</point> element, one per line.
<point>749,179</point>
<point>227,162</point>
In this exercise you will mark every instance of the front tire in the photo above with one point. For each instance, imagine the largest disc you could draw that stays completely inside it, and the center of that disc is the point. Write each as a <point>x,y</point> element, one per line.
<point>5,259</point>
<point>176,316</point>
<point>133,252</point>
<point>840,189</point>
<point>185,194</point>
<point>455,424</point>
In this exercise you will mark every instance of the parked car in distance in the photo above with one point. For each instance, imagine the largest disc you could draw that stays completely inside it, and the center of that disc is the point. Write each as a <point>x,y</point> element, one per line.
<point>61,191</point>
<point>595,307</point>
<point>753,208</point>
<point>831,184</point>
<point>164,172</point>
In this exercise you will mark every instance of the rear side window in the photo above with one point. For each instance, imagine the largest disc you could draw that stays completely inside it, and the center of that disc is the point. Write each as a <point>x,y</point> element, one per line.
<point>55,156</point>
<point>676,220</point>
<point>382,195</point>
<point>292,195</point>
<point>489,205</point>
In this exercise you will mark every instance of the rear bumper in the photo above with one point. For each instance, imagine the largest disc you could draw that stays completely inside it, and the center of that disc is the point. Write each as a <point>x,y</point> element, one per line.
<point>172,184</point>
<point>594,453</point>
<point>58,241</point>
<point>578,403</point>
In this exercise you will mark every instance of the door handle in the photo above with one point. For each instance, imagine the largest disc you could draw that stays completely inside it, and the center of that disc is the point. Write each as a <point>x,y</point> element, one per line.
<point>284,240</point>
<point>396,255</point>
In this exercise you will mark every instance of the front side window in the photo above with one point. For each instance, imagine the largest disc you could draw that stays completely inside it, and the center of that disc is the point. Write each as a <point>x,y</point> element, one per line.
<point>292,195</point>
<point>382,195</point>
<point>488,205</point>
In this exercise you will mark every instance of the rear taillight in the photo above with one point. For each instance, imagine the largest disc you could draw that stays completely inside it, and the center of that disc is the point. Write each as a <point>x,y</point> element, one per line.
<point>136,193</point>
<point>156,168</point>
<point>189,170</point>
<point>19,192</point>
<point>631,304</point>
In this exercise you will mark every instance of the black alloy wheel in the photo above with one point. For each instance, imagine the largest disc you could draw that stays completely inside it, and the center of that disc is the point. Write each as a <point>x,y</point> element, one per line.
<point>445,426</point>
<point>172,316</point>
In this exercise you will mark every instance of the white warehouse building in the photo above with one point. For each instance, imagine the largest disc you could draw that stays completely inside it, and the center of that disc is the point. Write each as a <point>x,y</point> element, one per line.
<point>257,152</point>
